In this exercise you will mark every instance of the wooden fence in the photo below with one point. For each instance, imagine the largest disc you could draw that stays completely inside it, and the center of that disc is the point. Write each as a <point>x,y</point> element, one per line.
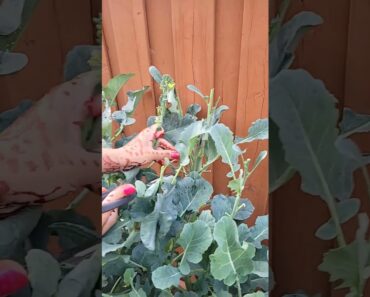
<point>208,43</point>
<point>337,53</point>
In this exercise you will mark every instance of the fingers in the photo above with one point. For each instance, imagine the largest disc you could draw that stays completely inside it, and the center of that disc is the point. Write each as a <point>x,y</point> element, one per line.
<point>163,143</point>
<point>159,133</point>
<point>160,155</point>
<point>108,220</point>
<point>119,193</point>
<point>149,134</point>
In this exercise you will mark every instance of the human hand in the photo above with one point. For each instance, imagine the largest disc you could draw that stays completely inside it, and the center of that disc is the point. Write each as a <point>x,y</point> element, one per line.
<point>110,217</point>
<point>42,157</point>
<point>148,146</point>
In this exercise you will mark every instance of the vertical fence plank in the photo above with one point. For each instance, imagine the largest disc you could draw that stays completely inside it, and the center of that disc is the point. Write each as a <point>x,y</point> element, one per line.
<point>322,54</point>
<point>357,97</point>
<point>106,67</point>
<point>229,19</point>
<point>128,49</point>
<point>196,41</point>
<point>193,28</point>
<point>193,43</point>
<point>253,92</point>
<point>160,38</point>
<point>76,12</point>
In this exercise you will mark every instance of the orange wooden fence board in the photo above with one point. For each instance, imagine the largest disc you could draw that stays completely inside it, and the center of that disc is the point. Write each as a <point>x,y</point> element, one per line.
<point>208,43</point>
<point>335,52</point>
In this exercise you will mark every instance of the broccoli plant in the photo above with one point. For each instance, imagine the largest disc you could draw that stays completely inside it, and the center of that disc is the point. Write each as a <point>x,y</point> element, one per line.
<point>177,238</point>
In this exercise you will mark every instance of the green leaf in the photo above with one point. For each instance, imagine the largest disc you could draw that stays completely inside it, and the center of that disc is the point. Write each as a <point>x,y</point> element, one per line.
<point>346,209</point>
<point>165,277</point>
<point>255,294</point>
<point>350,149</point>
<point>282,47</point>
<point>133,99</point>
<point>71,235</point>
<point>261,156</point>
<point>128,276</point>
<point>350,264</point>
<point>222,205</point>
<point>230,261</point>
<point>193,130</point>
<point>189,193</point>
<point>207,217</point>
<point>77,60</point>
<point>353,122</point>
<point>43,272</point>
<point>216,115</point>
<point>81,281</point>
<point>137,293</point>
<point>140,188</point>
<point>223,138</point>
<point>184,151</point>
<point>280,171</point>
<point>132,238</point>
<point>195,239</point>
<point>193,109</point>
<point>195,90</point>
<point>152,189</point>
<point>114,86</point>
<point>165,294</point>
<point>149,259</point>
<point>16,228</point>
<point>154,72</point>
<point>163,215</point>
<point>257,131</point>
<point>9,42</point>
<point>310,149</point>
<point>261,268</point>
<point>259,231</point>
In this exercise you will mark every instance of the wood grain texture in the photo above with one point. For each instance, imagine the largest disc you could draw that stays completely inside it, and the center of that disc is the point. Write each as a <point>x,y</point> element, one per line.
<point>198,42</point>
<point>336,53</point>
<point>229,21</point>
<point>252,97</point>
<point>125,30</point>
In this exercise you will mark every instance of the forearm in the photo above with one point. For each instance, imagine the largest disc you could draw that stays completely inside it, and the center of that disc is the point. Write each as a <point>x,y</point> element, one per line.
<point>114,160</point>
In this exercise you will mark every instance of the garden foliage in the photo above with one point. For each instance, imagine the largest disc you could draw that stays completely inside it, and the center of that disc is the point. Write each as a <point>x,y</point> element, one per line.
<point>177,238</point>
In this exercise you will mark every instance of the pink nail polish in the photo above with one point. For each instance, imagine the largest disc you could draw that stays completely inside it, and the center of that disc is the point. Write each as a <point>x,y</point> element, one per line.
<point>175,155</point>
<point>129,190</point>
<point>159,134</point>
<point>11,281</point>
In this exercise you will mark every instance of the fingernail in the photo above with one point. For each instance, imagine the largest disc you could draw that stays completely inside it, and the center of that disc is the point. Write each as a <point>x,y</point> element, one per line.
<point>129,190</point>
<point>159,134</point>
<point>175,155</point>
<point>11,281</point>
